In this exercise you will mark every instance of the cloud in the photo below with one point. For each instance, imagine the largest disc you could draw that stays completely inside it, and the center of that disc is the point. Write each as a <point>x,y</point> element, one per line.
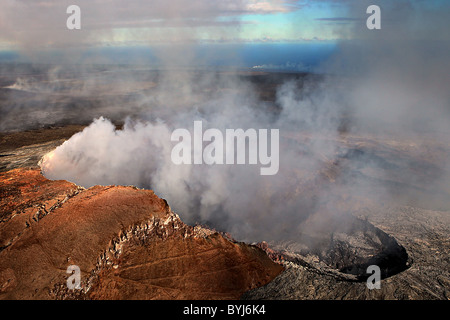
<point>339,19</point>
<point>390,83</point>
<point>274,6</point>
<point>41,24</point>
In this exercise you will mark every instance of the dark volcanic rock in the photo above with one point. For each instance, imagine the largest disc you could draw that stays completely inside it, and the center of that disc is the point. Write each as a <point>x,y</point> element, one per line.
<point>25,148</point>
<point>422,233</point>
<point>345,252</point>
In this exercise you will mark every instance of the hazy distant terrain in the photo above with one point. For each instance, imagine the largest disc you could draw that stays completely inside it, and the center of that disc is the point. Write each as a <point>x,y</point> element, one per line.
<point>350,199</point>
<point>37,96</point>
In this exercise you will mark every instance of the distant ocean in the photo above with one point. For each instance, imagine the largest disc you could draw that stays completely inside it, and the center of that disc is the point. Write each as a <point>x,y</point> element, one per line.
<point>286,57</point>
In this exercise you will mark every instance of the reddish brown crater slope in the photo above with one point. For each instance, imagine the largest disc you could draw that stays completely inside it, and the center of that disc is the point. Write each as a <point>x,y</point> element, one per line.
<point>126,241</point>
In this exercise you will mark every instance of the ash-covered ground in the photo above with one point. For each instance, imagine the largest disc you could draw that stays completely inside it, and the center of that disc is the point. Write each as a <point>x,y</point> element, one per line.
<point>371,197</point>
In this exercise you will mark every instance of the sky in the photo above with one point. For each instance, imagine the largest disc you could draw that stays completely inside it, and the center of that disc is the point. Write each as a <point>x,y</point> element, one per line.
<point>42,23</point>
<point>28,26</point>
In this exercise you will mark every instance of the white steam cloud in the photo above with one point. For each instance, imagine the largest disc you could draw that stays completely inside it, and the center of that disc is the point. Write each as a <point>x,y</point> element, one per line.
<point>231,197</point>
<point>389,88</point>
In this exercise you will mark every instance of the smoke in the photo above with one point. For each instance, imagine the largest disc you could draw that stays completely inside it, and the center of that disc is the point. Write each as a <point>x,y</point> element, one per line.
<point>397,91</point>
<point>35,25</point>
<point>372,131</point>
<point>230,197</point>
<point>399,74</point>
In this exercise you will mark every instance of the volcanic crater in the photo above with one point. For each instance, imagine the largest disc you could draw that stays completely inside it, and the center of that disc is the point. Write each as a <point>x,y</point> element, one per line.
<point>130,245</point>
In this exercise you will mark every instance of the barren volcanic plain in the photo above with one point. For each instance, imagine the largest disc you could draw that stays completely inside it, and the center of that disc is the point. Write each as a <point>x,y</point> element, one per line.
<point>130,244</point>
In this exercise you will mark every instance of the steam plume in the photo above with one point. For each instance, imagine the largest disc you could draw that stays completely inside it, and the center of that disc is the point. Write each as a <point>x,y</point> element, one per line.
<point>397,88</point>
